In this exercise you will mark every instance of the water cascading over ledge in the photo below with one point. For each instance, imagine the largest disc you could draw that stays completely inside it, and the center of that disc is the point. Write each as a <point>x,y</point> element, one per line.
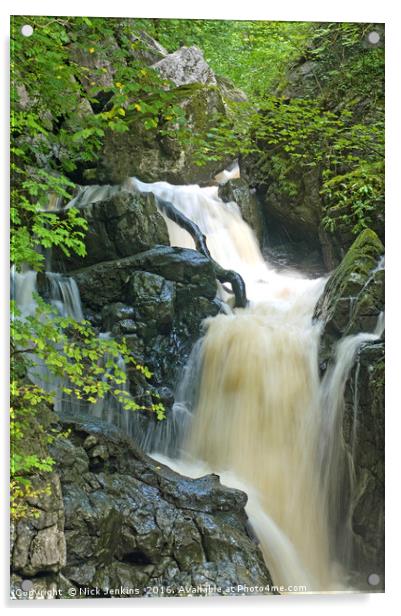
<point>260,410</point>
<point>251,406</point>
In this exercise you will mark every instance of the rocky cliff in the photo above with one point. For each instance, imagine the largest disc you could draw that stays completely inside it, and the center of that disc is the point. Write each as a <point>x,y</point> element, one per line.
<point>353,303</point>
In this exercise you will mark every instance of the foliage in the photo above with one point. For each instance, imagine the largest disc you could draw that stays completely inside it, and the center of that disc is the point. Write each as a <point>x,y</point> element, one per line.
<point>67,89</point>
<point>70,83</point>
<point>54,357</point>
<point>333,122</point>
<point>253,54</point>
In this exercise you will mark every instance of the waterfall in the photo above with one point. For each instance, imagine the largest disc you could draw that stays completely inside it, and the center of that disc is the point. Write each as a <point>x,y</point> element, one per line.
<point>250,406</point>
<point>337,465</point>
<point>62,293</point>
<point>260,417</point>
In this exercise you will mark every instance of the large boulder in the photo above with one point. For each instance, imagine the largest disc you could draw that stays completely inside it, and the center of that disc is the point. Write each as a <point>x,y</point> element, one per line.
<point>133,527</point>
<point>146,49</point>
<point>120,223</point>
<point>352,304</point>
<point>184,66</point>
<point>157,299</point>
<point>237,190</point>
<point>152,156</point>
<point>296,203</point>
<point>107,281</point>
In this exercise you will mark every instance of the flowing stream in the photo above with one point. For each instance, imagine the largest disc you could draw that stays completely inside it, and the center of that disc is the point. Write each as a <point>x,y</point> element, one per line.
<point>260,417</point>
<point>251,406</point>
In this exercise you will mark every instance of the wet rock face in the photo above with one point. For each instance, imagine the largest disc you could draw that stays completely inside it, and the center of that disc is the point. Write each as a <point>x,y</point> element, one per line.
<point>121,225</point>
<point>364,438</point>
<point>153,297</point>
<point>130,521</point>
<point>351,303</point>
<point>180,265</point>
<point>300,212</point>
<point>157,299</point>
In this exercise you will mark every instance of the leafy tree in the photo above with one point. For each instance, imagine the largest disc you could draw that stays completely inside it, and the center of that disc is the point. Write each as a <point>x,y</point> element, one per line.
<point>333,121</point>
<point>60,110</point>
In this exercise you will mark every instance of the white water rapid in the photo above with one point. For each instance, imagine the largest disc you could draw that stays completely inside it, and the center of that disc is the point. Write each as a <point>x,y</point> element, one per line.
<point>251,406</point>
<point>260,416</point>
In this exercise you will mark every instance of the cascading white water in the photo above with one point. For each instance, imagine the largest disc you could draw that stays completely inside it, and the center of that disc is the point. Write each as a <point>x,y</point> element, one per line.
<point>261,417</point>
<point>250,406</point>
<point>63,293</point>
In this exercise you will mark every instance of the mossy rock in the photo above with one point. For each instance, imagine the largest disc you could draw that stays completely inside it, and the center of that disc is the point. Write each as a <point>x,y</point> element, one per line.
<point>353,297</point>
<point>150,156</point>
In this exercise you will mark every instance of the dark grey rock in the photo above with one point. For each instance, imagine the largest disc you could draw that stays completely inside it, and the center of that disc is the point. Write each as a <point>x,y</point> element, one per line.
<point>146,49</point>
<point>39,542</point>
<point>124,224</point>
<point>106,282</point>
<point>352,302</point>
<point>143,525</point>
<point>153,297</point>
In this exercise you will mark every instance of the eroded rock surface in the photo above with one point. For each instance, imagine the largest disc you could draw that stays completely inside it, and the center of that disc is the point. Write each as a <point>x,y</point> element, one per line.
<point>130,522</point>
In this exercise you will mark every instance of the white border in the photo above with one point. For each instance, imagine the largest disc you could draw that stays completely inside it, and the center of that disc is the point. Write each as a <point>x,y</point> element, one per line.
<point>305,10</point>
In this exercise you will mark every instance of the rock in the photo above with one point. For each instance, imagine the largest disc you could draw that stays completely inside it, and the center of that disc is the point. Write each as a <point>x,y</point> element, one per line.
<point>122,225</point>
<point>293,209</point>
<point>157,300</point>
<point>184,66</point>
<point>39,542</point>
<point>152,157</point>
<point>351,303</point>
<point>100,69</point>
<point>238,190</point>
<point>146,49</point>
<point>153,297</point>
<point>106,282</point>
<point>364,417</point>
<point>229,91</point>
<point>46,586</point>
<point>353,297</point>
<point>301,80</point>
<point>119,318</point>
<point>131,522</point>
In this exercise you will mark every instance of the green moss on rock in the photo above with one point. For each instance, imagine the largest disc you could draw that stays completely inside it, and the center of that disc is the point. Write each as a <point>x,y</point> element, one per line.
<point>152,156</point>
<point>354,294</point>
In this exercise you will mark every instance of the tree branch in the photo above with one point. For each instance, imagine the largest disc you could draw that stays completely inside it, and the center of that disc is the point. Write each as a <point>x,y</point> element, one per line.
<point>223,275</point>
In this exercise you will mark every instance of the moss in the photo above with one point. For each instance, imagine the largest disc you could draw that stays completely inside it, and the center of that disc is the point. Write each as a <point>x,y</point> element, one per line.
<point>151,156</point>
<point>352,274</point>
<point>354,294</point>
